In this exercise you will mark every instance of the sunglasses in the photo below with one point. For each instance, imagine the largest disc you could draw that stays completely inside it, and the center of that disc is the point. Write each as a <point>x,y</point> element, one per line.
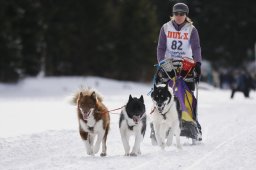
<point>179,13</point>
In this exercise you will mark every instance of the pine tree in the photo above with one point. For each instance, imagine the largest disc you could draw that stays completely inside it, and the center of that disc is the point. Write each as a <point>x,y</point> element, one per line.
<point>10,42</point>
<point>137,39</point>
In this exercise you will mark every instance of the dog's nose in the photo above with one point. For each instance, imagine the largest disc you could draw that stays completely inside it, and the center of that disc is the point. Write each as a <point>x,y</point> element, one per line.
<point>159,105</point>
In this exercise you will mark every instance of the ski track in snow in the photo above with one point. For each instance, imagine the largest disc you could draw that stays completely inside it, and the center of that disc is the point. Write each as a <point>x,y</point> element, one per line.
<point>45,135</point>
<point>218,147</point>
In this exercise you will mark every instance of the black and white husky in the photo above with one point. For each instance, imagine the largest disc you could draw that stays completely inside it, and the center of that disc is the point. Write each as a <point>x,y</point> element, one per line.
<point>133,122</point>
<point>165,116</point>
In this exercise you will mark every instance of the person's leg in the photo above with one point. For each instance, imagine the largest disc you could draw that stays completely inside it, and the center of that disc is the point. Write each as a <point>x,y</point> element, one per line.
<point>233,93</point>
<point>191,86</point>
<point>246,93</point>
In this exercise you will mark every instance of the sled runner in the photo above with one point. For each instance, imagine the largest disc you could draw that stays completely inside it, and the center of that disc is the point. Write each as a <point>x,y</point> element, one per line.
<point>177,73</point>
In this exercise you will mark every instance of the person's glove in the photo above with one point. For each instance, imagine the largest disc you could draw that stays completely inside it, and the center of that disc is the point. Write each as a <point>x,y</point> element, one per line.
<point>197,71</point>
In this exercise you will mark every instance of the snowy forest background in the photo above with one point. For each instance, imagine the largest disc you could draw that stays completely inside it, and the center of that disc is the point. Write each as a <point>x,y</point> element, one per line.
<point>51,48</point>
<point>114,38</point>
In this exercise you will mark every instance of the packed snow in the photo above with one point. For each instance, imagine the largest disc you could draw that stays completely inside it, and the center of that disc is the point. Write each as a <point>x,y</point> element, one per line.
<point>39,129</point>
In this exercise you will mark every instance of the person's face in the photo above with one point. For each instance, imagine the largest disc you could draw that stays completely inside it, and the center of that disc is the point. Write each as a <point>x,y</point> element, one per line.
<point>179,17</point>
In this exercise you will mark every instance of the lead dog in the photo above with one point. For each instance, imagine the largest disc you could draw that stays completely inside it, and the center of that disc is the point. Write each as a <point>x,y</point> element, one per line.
<point>165,116</point>
<point>93,118</point>
<point>133,122</point>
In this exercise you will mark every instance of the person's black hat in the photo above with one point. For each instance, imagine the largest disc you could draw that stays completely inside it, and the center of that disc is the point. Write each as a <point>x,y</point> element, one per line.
<point>180,7</point>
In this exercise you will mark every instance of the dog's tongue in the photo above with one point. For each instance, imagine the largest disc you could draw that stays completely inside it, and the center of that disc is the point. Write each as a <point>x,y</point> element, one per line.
<point>85,116</point>
<point>136,119</point>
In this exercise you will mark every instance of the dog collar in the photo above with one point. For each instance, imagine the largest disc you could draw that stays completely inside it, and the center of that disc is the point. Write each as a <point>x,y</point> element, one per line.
<point>164,115</point>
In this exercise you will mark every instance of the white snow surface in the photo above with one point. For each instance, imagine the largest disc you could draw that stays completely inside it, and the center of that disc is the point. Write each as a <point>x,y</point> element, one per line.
<point>39,129</point>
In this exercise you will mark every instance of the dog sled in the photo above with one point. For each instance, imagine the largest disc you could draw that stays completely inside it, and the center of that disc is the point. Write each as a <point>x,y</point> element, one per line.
<point>179,74</point>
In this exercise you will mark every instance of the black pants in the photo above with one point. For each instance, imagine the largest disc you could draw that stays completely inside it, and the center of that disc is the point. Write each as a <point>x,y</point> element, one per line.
<point>191,86</point>
<point>245,91</point>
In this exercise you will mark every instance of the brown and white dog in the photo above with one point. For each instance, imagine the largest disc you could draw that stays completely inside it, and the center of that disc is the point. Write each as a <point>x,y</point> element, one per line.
<point>94,119</point>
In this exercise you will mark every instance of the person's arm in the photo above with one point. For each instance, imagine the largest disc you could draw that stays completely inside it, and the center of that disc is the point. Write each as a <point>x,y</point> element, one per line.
<point>195,45</point>
<point>196,52</point>
<point>161,47</point>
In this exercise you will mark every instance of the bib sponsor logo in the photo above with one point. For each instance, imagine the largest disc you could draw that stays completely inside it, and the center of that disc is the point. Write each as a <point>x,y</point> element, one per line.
<point>177,35</point>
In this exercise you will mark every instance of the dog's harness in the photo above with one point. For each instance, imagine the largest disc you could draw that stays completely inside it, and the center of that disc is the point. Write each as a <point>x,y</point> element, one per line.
<point>152,111</point>
<point>130,127</point>
<point>102,112</point>
<point>116,109</point>
<point>109,111</point>
<point>90,128</point>
<point>164,115</point>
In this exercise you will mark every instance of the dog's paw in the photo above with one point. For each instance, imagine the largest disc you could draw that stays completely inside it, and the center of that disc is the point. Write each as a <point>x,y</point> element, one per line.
<point>179,146</point>
<point>168,143</point>
<point>126,154</point>
<point>103,154</point>
<point>96,149</point>
<point>89,151</point>
<point>162,145</point>
<point>153,141</point>
<point>133,154</point>
<point>196,142</point>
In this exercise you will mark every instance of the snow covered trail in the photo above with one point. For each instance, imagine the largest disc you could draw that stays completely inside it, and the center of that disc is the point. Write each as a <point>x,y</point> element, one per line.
<point>40,131</point>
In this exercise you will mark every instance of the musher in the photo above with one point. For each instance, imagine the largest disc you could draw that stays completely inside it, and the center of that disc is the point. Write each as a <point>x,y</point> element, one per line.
<point>179,38</point>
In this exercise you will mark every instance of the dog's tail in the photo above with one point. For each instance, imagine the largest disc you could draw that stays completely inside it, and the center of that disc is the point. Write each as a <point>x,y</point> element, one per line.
<point>86,92</point>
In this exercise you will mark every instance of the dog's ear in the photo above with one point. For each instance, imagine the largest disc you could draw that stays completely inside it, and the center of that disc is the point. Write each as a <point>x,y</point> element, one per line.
<point>166,86</point>
<point>130,98</point>
<point>80,95</point>
<point>142,99</point>
<point>155,86</point>
<point>152,92</point>
<point>93,96</point>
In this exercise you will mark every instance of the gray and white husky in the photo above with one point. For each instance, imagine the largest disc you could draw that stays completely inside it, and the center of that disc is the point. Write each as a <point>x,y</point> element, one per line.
<point>165,116</point>
<point>133,122</point>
